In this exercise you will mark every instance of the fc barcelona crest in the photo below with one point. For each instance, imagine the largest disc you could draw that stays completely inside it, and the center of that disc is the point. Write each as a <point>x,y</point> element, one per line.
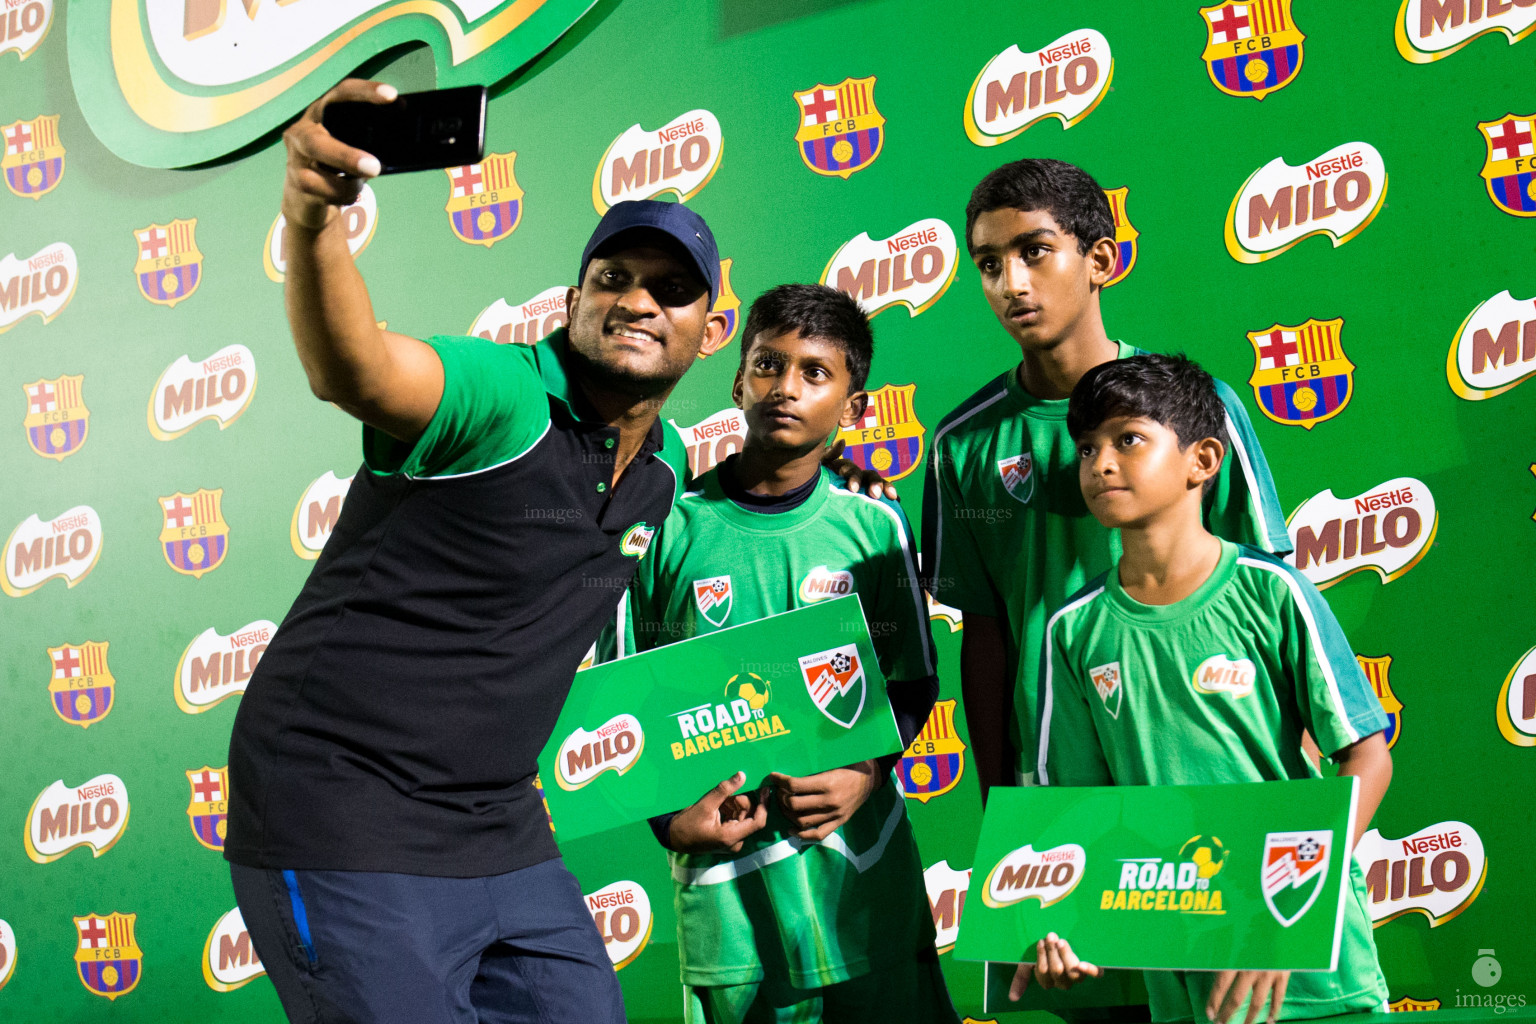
<point>889,439</point>
<point>1292,870</point>
<point>841,131</point>
<point>934,762</point>
<point>1252,47</point>
<point>1125,236</point>
<point>485,202</point>
<point>170,266</point>
<point>195,536</point>
<point>713,598</point>
<point>728,303</point>
<point>835,681</point>
<point>1375,670</point>
<point>209,805</point>
<point>57,419</point>
<point>1018,474</point>
<point>81,686</point>
<point>34,159</point>
<point>106,955</point>
<point>1301,376</point>
<point>1510,166</point>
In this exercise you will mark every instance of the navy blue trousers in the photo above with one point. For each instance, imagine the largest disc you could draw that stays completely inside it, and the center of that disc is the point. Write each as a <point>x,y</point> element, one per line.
<point>376,948</point>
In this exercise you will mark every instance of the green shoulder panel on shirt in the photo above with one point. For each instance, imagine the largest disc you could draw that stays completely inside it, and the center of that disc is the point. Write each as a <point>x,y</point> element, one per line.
<point>495,407</point>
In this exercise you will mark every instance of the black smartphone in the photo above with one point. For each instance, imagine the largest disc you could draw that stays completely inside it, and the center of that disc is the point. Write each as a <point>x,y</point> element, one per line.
<point>419,131</point>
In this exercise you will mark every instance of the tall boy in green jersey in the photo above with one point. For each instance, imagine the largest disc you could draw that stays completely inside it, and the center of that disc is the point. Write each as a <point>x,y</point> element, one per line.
<point>805,901</point>
<point>1196,660</point>
<point>1006,536</point>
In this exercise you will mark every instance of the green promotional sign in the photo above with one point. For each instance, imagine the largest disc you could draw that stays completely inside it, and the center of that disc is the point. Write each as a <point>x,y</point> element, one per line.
<point>796,693</point>
<point>1233,877</point>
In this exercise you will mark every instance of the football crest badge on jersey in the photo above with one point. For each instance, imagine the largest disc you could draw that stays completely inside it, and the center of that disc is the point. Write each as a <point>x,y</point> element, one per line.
<point>1107,684</point>
<point>841,130</point>
<point>1125,236</point>
<point>1252,47</point>
<point>1018,476</point>
<point>107,957</point>
<point>485,203</point>
<point>933,763</point>
<point>194,537</point>
<point>34,158</point>
<point>1292,870</point>
<point>1509,167</point>
<point>1301,375</point>
<point>835,680</point>
<point>57,420</point>
<point>889,438</point>
<point>170,266</point>
<point>81,686</point>
<point>712,596</point>
<point>208,807</point>
<point>1376,671</point>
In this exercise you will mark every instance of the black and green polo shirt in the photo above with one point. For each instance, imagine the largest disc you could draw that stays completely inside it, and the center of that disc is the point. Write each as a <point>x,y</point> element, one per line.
<point>394,722</point>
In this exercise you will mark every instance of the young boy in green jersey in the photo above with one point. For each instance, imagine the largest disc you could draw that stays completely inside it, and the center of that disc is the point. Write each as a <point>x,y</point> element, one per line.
<point>1123,692</point>
<point>1006,536</point>
<point>804,900</point>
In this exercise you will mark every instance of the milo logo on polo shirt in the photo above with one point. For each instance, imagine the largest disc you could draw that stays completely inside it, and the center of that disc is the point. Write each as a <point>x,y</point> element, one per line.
<point>821,584</point>
<point>637,540</point>
<point>1221,674</point>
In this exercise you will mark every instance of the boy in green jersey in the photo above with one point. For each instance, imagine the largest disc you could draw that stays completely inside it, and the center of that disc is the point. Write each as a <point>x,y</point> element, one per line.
<point>1006,536</point>
<point>1196,660</point>
<point>803,901</point>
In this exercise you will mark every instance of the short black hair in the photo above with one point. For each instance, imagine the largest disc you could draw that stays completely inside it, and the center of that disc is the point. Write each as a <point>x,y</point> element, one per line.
<point>1065,191</point>
<point>1173,390</point>
<point>816,311</point>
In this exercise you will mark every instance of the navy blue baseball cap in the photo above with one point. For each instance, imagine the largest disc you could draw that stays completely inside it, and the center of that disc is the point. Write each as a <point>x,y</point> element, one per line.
<point>675,221</point>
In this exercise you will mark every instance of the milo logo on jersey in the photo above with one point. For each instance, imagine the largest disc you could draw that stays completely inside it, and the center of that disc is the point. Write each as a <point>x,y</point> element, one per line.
<point>215,667</point>
<point>1510,167</point>
<point>40,285</point>
<point>1387,529</point>
<point>314,517</point>
<point>526,323</point>
<point>93,814</point>
<point>1018,475</point>
<point>841,130</point>
<point>64,548</point>
<point>1220,674</point>
<point>1516,711</point>
<point>107,957</point>
<point>1108,683</point>
<point>1183,884</point>
<point>1494,348</point>
<point>1337,195</point>
<point>889,438</point>
<point>622,913</point>
<point>1252,47</point>
<point>229,958</point>
<point>358,220</point>
<point>946,899</point>
<point>169,267</point>
<point>218,388</point>
<point>1431,30</point>
<point>23,27</point>
<point>823,584</point>
<point>1065,79</point>
<point>1125,236</point>
<point>1301,376</point>
<point>935,760</point>
<point>712,439</point>
<point>57,420</point>
<point>637,540</point>
<point>34,159</point>
<point>485,202</point>
<point>712,597</point>
<point>1438,871</point>
<point>741,717</point>
<point>614,746</point>
<point>836,682</point>
<point>679,157</point>
<point>914,267</point>
<point>7,951</point>
<point>195,537</point>
<point>1291,872</point>
<point>1027,874</point>
<point>81,686</point>
<point>208,808</point>
<point>1376,671</point>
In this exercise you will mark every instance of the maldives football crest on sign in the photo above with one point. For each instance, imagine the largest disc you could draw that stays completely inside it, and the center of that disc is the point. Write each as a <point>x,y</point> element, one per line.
<point>485,203</point>
<point>713,598</point>
<point>107,957</point>
<point>1252,47</point>
<point>1107,684</point>
<point>835,681</point>
<point>34,158</point>
<point>889,439</point>
<point>1510,165</point>
<point>1018,475</point>
<point>1301,376</point>
<point>1375,670</point>
<point>81,685</point>
<point>840,130</point>
<point>195,537</point>
<point>1125,236</point>
<point>1292,870</point>
<point>934,762</point>
<point>57,419</point>
<point>209,806</point>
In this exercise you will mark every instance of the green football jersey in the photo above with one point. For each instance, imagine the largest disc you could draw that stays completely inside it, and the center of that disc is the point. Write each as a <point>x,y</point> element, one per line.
<point>1215,688</point>
<point>813,914</point>
<point>1006,532</point>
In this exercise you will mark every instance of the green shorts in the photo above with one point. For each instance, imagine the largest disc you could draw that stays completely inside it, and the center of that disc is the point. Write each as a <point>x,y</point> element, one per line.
<point>913,993</point>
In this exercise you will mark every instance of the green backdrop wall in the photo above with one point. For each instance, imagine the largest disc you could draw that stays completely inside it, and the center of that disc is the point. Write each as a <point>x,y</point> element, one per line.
<point>170,478</point>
